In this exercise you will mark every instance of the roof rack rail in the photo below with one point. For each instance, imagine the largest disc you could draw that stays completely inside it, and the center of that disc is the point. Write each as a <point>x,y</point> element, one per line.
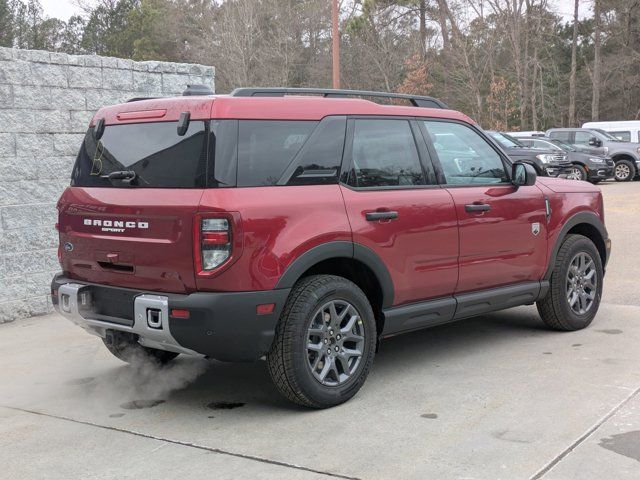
<point>139,99</point>
<point>415,100</point>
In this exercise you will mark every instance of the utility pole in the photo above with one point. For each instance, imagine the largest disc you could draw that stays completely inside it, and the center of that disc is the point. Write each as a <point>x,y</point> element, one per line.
<point>335,34</point>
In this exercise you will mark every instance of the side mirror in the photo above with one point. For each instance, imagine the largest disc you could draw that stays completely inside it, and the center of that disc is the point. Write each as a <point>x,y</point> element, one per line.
<point>523,175</point>
<point>595,142</point>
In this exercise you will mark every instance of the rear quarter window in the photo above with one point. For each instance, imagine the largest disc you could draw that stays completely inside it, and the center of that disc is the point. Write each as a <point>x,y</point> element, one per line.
<point>267,147</point>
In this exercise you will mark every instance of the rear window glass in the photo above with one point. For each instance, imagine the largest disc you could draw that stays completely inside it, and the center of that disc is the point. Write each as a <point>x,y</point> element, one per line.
<point>156,153</point>
<point>267,147</point>
<point>561,135</point>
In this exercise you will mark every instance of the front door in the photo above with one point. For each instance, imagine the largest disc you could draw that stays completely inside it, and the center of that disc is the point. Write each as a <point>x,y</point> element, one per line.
<point>584,140</point>
<point>397,210</point>
<point>502,228</point>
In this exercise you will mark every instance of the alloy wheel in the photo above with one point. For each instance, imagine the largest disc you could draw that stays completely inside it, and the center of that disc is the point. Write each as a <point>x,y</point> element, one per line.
<point>574,174</point>
<point>335,342</point>
<point>582,283</point>
<point>622,171</point>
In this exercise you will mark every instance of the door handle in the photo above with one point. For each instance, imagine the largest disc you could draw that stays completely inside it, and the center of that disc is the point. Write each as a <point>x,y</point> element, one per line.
<point>477,207</point>
<point>381,215</point>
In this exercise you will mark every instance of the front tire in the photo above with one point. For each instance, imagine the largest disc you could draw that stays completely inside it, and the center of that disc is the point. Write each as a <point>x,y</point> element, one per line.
<point>577,172</point>
<point>325,342</point>
<point>624,170</point>
<point>574,295</point>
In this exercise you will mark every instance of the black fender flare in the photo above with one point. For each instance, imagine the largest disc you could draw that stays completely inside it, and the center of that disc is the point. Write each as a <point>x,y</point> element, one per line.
<point>340,249</point>
<point>577,219</point>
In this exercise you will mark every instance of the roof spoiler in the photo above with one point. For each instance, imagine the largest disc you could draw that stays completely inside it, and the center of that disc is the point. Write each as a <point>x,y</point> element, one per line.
<point>415,100</point>
<point>190,91</point>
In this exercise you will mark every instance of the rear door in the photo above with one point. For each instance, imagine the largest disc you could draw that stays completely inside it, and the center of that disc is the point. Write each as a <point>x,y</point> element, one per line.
<point>397,210</point>
<point>127,219</point>
<point>502,229</point>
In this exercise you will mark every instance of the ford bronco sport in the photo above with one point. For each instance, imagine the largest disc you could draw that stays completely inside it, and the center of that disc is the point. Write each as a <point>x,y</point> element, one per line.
<point>303,227</point>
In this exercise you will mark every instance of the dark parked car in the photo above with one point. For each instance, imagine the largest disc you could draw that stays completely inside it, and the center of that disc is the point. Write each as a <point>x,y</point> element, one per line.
<point>626,155</point>
<point>584,166</point>
<point>547,161</point>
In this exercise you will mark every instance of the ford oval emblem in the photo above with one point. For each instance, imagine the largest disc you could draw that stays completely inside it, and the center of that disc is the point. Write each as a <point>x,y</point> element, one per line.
<point>68,247</point>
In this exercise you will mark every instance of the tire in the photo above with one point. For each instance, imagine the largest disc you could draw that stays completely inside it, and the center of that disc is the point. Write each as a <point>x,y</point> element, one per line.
<point>624,170</point>
<point>555,308</point>
<point>296,369</point>
<point>577,172</point>
<point>125,347</point>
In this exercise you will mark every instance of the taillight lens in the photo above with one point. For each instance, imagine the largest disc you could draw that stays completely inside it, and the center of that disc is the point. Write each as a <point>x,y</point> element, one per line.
<point>215,242</point>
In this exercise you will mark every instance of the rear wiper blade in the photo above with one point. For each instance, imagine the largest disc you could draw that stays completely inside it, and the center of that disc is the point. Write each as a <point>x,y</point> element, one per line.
<point>127,176</point>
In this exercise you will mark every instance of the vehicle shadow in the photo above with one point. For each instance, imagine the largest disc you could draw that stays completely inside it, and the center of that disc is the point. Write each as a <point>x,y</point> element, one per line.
<point>236,384</point>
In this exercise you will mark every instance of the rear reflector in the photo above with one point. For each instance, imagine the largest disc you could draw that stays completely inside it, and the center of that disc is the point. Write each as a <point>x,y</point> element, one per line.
<point>265,308</point>
<point>215,238</point>
<point>179,313</point>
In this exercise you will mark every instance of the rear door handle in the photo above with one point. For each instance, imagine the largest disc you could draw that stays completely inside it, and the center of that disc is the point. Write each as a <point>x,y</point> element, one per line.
<point>384,215</point>
<point>477,207</point>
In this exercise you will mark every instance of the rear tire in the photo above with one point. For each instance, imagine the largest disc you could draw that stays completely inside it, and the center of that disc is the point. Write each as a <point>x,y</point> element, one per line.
<point>325,342</point>
<point>574,295</point>
<point>624,170</point>
<point>125,347</point>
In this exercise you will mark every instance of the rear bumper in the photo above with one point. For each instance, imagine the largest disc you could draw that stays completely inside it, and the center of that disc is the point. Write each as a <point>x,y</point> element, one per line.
<point>224,326</point>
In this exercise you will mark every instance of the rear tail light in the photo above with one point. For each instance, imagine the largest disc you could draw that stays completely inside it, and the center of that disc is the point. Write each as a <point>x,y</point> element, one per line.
<point>214,242</point>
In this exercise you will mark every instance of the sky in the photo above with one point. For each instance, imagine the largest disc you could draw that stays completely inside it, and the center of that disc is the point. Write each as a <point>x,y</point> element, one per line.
<point>63,9</point>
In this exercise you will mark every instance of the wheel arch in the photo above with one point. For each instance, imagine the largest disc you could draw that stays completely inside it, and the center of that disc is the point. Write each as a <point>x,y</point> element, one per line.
<point>353,261</point>
<point>624,156</point>
<point>586,224</point>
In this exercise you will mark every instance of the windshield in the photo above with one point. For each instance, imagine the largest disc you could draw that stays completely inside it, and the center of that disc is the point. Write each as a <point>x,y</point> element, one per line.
<point>607,135</point>
<point>564,146</point>
<point>506,140</point>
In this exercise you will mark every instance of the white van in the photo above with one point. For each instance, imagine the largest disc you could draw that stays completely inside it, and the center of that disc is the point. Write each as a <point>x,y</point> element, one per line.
<point>533,133</point>
<point>627,131</point>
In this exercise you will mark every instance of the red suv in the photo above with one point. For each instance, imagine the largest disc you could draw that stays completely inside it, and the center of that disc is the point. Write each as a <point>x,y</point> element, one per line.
<point>304,226</point>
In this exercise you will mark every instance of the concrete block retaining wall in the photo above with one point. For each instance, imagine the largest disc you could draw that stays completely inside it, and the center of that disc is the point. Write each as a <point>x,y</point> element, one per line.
<point>46,102</point>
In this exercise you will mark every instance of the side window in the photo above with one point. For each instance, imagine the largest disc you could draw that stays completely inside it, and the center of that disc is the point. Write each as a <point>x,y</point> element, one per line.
<point>465,157</point>
<point>538,144</point>
<point>267,147</point>
<point>527,143</point>
<point>582,138</point>
<point>624,136</point>
<point>564,136</point>
<point>384,154</point>
<point>318,163</point>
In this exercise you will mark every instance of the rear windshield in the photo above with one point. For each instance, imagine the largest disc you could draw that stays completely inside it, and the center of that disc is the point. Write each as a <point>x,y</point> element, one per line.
<point>156,153</point>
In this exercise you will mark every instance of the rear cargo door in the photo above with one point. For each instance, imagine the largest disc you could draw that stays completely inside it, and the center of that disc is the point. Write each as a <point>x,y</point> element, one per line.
<point>127,219</point>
